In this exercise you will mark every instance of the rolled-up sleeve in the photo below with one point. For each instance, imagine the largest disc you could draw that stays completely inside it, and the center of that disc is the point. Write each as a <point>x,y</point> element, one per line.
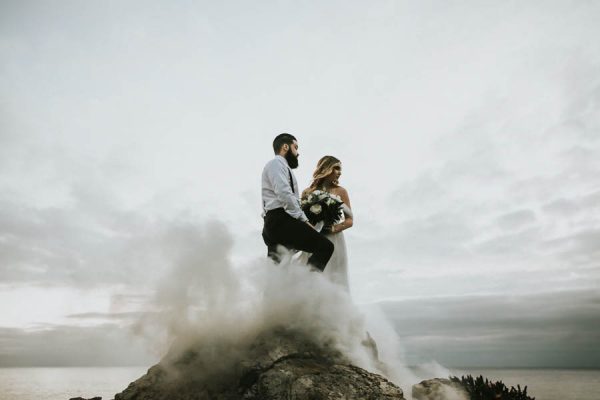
<point>279,178</point>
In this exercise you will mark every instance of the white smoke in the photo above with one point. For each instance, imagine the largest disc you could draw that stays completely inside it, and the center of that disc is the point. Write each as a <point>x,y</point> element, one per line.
<point>204,298</point>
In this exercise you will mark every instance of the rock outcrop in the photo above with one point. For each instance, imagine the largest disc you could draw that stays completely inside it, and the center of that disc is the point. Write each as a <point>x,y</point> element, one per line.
<point>439,389</point>
<point>276,365</point>
<point>81,398</point>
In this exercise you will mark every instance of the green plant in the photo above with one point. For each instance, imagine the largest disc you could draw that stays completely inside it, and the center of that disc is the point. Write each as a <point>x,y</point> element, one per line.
<point>481,388</point>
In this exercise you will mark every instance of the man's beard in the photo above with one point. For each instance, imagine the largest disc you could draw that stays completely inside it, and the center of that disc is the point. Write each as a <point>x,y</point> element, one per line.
<point>291,159</point>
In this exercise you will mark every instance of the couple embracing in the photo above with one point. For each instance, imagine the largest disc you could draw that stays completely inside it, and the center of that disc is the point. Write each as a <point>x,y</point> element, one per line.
<point>287,224</point>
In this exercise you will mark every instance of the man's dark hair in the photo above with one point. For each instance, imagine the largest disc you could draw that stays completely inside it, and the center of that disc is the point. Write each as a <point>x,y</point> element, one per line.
<point>280,140</point>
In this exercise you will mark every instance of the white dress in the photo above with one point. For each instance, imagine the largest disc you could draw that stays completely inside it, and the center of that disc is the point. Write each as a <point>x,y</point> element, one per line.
<point>336,269</point>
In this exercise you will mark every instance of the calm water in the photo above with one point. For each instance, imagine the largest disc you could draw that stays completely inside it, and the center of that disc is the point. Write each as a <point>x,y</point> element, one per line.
<point>546,384</point>
<point>64,383</point>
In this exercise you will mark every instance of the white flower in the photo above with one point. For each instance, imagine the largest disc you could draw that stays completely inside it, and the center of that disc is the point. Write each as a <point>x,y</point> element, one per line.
<point>329,201</point>
<point>315,209</point>
<point>335,196</point>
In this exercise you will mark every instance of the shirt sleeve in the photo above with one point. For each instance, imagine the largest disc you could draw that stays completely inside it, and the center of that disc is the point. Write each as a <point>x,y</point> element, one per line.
<point>279,177</point>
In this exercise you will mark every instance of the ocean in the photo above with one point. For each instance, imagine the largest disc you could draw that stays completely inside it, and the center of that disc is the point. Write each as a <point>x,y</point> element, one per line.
<point>546,384</point>
<point>64,383</point>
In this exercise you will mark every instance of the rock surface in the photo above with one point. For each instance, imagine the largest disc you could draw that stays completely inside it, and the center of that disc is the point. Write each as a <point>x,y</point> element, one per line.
<point>81,398</point>
<point>439,389</point>
<point>280,364</point>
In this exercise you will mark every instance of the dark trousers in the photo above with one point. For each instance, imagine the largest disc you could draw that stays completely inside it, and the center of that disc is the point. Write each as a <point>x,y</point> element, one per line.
<point>282,229</point>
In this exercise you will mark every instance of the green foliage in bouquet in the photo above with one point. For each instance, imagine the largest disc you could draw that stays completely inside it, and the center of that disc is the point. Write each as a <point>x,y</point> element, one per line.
<point>322,206</point>
<point>480,389</point>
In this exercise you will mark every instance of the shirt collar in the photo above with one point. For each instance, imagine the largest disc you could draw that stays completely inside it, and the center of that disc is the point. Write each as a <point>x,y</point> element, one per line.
<point>282,158</point>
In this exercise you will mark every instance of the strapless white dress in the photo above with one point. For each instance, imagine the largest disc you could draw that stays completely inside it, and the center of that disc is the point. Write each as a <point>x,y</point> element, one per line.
<point>336,269</point>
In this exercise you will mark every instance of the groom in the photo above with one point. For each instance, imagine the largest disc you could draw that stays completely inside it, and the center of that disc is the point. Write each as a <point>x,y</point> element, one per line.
<point>285,222</point>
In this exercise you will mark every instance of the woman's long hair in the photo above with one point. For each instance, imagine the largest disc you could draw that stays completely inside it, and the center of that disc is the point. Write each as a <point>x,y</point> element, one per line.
<point>324,168</point>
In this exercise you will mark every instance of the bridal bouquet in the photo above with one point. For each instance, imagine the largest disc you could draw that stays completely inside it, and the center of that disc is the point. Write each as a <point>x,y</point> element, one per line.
<point>321,206</point>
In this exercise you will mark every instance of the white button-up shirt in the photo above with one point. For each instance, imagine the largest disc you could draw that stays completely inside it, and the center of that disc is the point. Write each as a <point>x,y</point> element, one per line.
<point>276,189</point>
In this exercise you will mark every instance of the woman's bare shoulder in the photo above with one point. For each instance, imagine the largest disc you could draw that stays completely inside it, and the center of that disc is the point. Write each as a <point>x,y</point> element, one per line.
<point>340,190</point>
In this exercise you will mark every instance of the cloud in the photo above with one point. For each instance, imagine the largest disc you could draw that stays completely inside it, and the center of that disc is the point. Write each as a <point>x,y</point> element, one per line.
<point>561,207</point>
<point>545,329</point>
<point>432,237</point>
<point>127,316</point>
<point>521,243</point>
<point>580,205</point>
<point>516,219</point>
<point>506,189</point>
<point>92,242</point>
<point>428,191</point>
<point>537,330</point>
<point>580,249</point>
<point>63,345</point>
<point>68,246</point>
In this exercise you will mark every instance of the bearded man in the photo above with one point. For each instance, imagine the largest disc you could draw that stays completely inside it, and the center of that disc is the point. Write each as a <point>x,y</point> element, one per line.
<point>285,224</point>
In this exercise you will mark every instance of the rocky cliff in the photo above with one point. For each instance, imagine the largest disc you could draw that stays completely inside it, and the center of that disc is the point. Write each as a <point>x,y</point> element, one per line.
<point>278,364</point>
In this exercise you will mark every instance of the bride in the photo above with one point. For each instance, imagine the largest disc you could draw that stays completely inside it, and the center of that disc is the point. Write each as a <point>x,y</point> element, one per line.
<point>326,177</point>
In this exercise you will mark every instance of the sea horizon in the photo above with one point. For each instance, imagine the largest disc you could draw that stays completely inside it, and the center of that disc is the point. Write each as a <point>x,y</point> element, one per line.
<point>64,382</point>
<point>408,366</point>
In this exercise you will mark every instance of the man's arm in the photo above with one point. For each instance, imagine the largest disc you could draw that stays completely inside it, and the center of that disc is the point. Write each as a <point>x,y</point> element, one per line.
<point>278,175</point>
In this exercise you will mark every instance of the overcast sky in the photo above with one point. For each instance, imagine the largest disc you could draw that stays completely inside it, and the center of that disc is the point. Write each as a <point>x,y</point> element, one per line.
<point>469,133</point>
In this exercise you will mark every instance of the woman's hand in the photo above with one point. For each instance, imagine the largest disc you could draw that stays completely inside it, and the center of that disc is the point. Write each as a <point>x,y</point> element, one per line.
<point>327,229</point>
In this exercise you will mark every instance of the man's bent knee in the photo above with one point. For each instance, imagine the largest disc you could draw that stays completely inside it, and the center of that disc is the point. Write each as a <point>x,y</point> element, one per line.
<point>327,246</point>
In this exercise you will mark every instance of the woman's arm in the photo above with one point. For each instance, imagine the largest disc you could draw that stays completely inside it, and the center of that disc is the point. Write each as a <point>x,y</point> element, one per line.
<point>348,222</point>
